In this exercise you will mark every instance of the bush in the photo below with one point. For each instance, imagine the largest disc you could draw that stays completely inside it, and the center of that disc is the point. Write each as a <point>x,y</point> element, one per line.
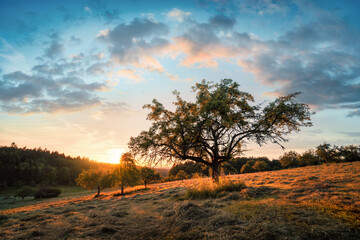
<point>181,175</point>
<point>261,166</point>
<point>47,193</point>
<point>26,191</point>
<point>205,190</point>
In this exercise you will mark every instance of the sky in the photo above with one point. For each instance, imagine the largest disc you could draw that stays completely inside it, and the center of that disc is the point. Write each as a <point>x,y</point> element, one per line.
<point>74,75</point>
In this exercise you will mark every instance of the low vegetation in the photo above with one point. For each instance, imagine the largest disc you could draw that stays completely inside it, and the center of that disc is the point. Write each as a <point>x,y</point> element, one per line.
<point>204,188</point>
<point>314,202</point>
<point>47,193</point>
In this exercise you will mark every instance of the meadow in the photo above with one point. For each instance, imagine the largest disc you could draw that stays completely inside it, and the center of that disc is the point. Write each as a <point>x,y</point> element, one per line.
<point>314,202</point>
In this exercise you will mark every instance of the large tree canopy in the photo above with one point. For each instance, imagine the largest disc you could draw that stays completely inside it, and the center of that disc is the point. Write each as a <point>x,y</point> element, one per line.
<point>215,127</point>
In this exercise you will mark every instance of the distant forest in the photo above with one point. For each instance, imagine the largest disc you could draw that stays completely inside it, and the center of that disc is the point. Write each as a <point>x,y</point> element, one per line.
<point>22,166</point>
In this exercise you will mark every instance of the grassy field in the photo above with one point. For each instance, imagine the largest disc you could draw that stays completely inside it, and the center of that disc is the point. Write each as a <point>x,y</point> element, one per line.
<point>317,202</point>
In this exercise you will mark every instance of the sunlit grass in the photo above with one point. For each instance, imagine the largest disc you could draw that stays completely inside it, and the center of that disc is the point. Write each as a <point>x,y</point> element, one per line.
<point>317,202</point>
<point>205,188</point>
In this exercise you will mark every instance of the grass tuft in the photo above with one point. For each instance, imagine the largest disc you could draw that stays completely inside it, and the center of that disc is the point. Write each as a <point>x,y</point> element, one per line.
<point>205,188</point>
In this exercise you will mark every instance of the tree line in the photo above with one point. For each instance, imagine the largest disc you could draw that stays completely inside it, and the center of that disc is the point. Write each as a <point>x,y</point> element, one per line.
<point>322,154</point>
<point>126,173</point>
<point>33,167</point>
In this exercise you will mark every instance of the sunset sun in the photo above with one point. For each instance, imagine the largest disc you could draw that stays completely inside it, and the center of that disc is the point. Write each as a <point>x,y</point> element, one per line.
<point>113,155</point>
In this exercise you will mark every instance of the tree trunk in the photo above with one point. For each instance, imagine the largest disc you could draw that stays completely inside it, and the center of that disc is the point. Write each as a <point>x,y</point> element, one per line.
<point>122,189</point>
<point>215,172</point>
<point>98,193</point>
<point>145,184</point>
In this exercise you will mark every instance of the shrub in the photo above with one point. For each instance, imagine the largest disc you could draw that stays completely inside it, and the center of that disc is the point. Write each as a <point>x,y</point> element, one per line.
<point>181,175</point>
<point>26,191</point>
<point>247,168</point>
<point>261,166</point>
<point>47,193</point>
<point>204,189</point>
<point>148,175</point>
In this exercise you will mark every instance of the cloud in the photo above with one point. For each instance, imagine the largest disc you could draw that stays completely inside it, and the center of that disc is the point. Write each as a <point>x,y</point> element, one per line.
<point>177,14</point>
<point>130,74</point>
<point>318,59</point>
<point>56,47</point>
<point>53,85</point>
<point>136,43</point>
<point>264,7</point>
<point>103,12</point>
<point>222,21</point>
<point>75,40</point>
<point>351,134</point>
<point>108,110</point>
<point>97,68</point>
<point>256,7</point>
<point>177,78</point>
<point>355,113</point>
<point>103,33</point>
<point>34,93</point>
<point>203,44</point>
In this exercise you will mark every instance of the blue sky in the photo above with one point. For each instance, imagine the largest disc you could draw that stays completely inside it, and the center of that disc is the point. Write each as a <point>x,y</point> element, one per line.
<point>74,75</point>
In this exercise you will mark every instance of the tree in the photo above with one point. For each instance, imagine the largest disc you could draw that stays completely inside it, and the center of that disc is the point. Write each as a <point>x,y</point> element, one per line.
<point>290,159</point>
<point>325,153</point>
<point>181,175</point>
<point>309,158</point>
<point>213,129</point>
<point>127,174</point>
<point>261,166</point>
<point>246,168</point>
<point>95,179</point>
<point>350,153</point>
<point>63,175</point>
<point>148,175</point>
<point>189,167</point>
<point>26,191</point>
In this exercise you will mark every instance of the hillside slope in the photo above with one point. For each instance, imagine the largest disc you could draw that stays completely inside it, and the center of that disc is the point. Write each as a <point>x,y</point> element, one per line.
<point>317,202</point>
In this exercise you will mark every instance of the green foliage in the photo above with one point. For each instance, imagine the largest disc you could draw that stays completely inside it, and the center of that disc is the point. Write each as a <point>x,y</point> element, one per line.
<point>25,192</point>
<point>213,129</point>
<point>326,153</point>
<point>246,168</point>
<point>349,153</point>
<point>47,193</point>
<point>290,159</point>
<point>95,179</point>
<point>189,168</point>
<point>22,166</point>
<point>260,166</point>
<point>127,173</point>
<point>63,176</point>
<point>309,158</point>
<point>205,190</point>
<point>148,175</point>
<point>181,175</point>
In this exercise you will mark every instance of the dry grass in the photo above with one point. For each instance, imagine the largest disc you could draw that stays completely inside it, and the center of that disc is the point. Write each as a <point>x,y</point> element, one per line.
<point>205,188</point>
<point>318,202</point>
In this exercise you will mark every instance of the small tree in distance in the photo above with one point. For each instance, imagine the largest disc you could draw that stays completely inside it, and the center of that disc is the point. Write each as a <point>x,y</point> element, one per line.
<point>290,159</point>
<point>213,129</point>
<point>126,173</point>
<point>95,179</point>
<point>26,191</point>
<point>148,175</point>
